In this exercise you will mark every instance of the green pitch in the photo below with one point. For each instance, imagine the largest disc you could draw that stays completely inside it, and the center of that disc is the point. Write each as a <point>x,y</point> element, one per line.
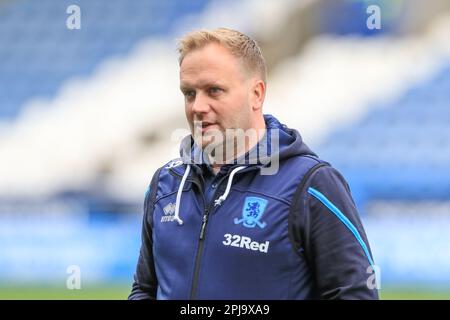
<point>121,291</point>
<point>415,294</point>
<point>109,292</point>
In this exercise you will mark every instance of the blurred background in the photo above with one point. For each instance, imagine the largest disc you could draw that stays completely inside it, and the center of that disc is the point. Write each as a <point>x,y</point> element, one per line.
<point>88,114</point>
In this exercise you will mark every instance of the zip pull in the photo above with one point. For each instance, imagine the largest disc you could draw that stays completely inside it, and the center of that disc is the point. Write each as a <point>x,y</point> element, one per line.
<point>205,220</point>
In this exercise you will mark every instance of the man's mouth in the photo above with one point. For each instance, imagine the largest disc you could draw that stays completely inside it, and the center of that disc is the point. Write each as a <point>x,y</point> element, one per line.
<point>205,126</point>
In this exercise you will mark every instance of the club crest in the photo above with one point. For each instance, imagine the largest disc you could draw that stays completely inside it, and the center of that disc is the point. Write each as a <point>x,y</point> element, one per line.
<point>252,212</point>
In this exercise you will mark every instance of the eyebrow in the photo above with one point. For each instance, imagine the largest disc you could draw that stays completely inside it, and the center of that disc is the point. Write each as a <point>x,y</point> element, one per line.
<point>202,84</point>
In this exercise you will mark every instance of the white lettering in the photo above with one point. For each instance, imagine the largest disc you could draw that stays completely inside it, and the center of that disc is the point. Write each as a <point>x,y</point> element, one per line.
<point>374,20</point>
<point>245,243</point>
<point>227,241</point>
<point>74,20</point>
<point>374,280</point>
<point>254,246</point>
<point>197,310</point>
<point>74,279</point>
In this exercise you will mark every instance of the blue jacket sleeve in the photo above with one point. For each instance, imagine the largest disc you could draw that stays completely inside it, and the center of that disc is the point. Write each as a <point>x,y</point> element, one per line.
<point>145,283</point>
<point>335,242</point>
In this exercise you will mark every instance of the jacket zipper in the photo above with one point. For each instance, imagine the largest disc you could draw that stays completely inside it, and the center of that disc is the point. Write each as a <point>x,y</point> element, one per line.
<point>206,212</point>
<point>205,220</point>
<point>201,242</point>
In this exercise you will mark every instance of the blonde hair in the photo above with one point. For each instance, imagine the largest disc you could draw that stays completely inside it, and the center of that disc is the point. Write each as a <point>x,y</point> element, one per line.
<point>240,45</point>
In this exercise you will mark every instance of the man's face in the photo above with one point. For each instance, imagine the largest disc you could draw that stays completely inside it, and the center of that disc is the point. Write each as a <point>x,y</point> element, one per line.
<point>217,90</point>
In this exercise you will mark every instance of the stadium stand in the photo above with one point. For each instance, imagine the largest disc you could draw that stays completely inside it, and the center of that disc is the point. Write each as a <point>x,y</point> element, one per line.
<point>400,150</point>
<point>38,52</point>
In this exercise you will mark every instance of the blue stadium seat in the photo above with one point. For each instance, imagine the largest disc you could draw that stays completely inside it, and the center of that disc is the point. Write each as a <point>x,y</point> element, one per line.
<point>38,52</point>
<point>400,150</point>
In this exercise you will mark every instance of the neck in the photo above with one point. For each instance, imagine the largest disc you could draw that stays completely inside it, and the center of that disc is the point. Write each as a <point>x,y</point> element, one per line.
<point>240,149</point>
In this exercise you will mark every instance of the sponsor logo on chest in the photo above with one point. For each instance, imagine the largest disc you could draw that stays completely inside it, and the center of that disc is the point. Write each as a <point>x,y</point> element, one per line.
<point>238,241</point>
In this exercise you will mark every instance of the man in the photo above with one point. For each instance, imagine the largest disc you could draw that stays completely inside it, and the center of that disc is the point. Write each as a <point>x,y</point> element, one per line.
<point>253,216</point>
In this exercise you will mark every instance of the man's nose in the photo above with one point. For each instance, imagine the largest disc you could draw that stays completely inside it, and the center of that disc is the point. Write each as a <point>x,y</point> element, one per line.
<point>200,104</point>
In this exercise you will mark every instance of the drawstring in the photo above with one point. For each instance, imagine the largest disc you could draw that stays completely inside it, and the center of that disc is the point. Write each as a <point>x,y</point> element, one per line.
<point>180,191</point>
<point>217,202</point>
<point>223,197</point>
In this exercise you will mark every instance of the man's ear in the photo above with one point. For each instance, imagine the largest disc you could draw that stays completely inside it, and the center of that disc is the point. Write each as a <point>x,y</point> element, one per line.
<point>258,94</point>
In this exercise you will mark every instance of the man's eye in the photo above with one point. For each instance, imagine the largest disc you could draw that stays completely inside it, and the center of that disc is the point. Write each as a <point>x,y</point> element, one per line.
<point>189,94</point>
<point>214,90</point>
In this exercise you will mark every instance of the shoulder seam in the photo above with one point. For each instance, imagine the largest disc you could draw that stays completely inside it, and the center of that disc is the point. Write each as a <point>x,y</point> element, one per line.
<point>296,201</point>
<point>152,196</point>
